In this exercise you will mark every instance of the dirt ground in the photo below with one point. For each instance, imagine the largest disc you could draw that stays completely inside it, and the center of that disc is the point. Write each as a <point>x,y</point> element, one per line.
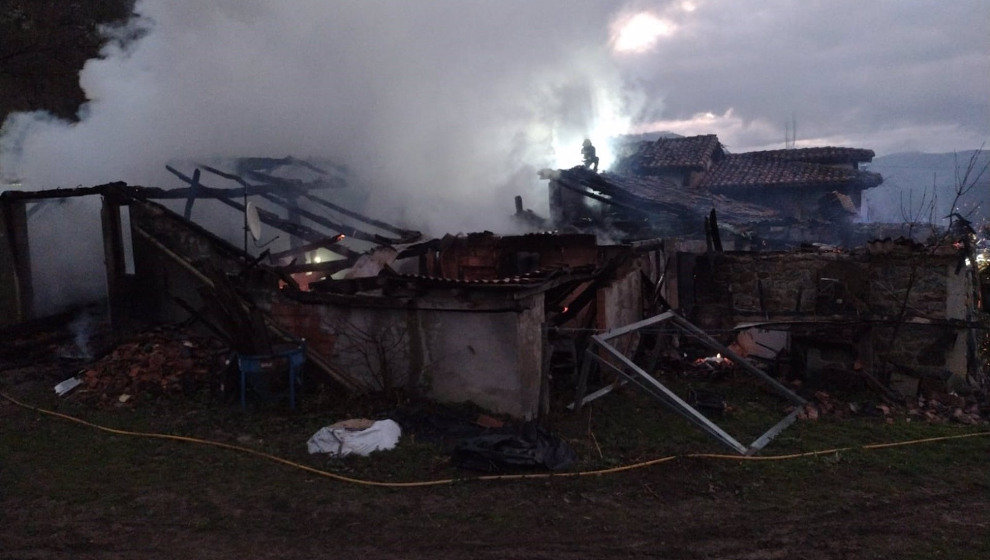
<point>69,491</point>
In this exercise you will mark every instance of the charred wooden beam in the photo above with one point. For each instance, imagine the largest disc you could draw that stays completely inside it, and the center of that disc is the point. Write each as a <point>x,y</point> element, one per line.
<point>113,251</point>
<point>284,183</point>
<point>716,236</point>
<point>643,212</point>
<point>255,163</point>
<point>407,236</point>
<point>193,192</point>
<point>202,191</point>
<point>589,293</point>
<point>349,231</point>
<point>303,232</point>
<point>279,185</point>
<point>13,195</point>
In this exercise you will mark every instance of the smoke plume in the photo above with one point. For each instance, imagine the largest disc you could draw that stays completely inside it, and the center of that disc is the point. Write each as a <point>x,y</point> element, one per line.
<point>442,111</point>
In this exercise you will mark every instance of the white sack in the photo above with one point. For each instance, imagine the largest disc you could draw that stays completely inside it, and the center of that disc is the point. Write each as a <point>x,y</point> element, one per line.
<point>340,442</point>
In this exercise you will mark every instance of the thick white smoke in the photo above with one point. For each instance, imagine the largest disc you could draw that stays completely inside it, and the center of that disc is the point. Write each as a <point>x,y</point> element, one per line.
<point>443,111</point>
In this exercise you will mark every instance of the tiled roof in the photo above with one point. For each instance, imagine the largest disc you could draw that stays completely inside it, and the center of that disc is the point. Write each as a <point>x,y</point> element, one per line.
<point>824,154</point>
<point>665,195</point>
<point>535,278</point>
<point>691,152</point>
<point>754,169</point>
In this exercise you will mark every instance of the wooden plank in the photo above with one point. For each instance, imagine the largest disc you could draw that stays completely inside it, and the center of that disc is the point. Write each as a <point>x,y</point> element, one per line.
<point>113,253</point>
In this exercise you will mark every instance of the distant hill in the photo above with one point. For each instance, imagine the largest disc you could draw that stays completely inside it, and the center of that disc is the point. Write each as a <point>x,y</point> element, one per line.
<point>910,180</point>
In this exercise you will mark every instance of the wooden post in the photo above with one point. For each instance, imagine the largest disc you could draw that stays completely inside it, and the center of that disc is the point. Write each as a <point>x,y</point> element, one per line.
<point>113,250</point>
<point>17,297</point>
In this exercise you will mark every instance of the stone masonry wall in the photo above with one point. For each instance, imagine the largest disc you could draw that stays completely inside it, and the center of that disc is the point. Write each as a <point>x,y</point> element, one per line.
<point>907,300</point>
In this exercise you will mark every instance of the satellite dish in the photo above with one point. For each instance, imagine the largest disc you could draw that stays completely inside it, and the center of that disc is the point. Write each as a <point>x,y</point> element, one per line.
<point>253,221</point>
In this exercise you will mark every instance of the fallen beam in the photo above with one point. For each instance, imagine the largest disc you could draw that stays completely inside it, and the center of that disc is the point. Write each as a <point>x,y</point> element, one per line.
<point>270,218</point>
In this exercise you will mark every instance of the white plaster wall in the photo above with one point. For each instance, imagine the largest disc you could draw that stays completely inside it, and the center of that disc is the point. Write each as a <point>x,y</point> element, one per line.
<point>491,359</point>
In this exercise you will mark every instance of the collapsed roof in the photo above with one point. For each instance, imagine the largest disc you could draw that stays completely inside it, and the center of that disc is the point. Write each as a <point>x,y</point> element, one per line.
<point>669,187</point>
<point>652,195</point>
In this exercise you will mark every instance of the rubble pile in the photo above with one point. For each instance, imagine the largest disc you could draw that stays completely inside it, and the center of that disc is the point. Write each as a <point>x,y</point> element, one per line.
<point>942,407</point>
<point>935,408</point>
<point>150,365</point>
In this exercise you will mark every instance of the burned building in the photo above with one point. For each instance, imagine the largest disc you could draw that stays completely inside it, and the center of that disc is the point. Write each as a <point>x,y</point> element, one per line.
<point>767,242</point>
<point>457,318</point>
<point>498,320</point>
<point>898,313</point>
<point>777,198</point>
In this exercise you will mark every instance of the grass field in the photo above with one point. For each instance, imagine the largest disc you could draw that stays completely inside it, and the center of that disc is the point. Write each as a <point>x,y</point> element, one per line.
<point>70,491</point>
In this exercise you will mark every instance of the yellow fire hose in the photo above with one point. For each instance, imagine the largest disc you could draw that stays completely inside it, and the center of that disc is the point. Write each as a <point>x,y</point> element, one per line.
<point>444,481</point>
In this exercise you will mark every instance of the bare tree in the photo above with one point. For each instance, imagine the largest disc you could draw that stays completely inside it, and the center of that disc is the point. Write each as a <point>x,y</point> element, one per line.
<point>961,234</point>
<point>924,213</point>
<point>380,349</point>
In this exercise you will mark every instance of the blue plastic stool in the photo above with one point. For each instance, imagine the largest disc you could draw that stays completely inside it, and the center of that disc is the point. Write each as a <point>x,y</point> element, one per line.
<point>255,371</point>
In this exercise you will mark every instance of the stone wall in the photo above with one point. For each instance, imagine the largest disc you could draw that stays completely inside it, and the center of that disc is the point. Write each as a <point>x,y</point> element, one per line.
<point>900,310</point>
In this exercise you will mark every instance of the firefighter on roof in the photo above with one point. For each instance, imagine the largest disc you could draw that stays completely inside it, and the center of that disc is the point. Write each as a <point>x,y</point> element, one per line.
<point>590,159</point>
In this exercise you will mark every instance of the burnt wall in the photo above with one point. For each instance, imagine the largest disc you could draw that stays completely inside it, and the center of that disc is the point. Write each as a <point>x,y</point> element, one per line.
<point>159,238</point>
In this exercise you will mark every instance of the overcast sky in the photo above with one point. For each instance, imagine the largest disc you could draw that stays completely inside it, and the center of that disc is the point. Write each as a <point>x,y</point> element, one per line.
<point>892,76</point>
<point>444,108</point>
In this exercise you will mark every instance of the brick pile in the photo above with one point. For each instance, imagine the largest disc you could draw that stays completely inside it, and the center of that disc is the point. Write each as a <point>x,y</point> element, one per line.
<point>151,365</point>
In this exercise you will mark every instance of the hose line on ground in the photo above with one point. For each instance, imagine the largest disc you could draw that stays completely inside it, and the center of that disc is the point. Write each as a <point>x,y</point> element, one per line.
<point>446,481</point>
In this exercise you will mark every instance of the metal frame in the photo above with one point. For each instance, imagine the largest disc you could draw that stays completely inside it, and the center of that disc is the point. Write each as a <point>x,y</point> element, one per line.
<point>656,389</point>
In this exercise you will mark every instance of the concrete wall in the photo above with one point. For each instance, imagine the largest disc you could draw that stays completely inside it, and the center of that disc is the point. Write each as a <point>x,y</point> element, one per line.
<point>493,360</point>
<point>490,358</point>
